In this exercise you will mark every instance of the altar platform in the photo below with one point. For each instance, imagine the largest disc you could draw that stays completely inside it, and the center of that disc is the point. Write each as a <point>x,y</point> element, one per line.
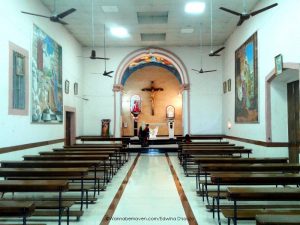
<point>161,144</point>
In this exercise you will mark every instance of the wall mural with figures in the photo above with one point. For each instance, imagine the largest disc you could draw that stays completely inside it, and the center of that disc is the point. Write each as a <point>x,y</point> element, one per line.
<point>46,90</point>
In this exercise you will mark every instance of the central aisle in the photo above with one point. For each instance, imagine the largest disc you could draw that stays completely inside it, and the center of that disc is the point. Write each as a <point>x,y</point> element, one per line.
<point>150,196</point>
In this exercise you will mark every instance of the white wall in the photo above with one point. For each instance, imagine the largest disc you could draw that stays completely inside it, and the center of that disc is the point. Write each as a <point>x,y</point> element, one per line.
<point>279,119</point>
<point>276,33</point>
<point>205,94</point>
<point>18,28</point>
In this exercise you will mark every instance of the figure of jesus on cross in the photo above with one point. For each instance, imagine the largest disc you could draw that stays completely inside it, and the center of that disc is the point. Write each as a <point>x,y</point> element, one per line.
<point>153,91</point>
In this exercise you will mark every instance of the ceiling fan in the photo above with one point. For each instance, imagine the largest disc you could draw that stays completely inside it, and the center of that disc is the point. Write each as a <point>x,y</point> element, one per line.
<point>201,69</point>
<point>56,17</point>
<point>212,53</point>
<point>93,52</point>
<point>105,73</point>
<point>204,71</point>
<point>245,15</point>
<point>215,53</point>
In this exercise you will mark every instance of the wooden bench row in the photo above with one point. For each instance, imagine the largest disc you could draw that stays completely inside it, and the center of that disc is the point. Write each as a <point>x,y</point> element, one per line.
<point>58,167</point>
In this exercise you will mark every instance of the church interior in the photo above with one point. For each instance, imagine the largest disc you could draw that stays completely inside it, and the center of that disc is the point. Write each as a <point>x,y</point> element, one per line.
<point>150,112</point>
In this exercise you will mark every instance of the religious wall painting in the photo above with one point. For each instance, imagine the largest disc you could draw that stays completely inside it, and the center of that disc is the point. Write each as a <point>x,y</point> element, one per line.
<point>105,127</point>
<point>224,87</point>
<point>246,82</point>
<point>135,104</point>
<point>67,86</point>
<point>75,88</point>
<point>278,64</point>
<point>170,112</point>
<point>47,88</point>
<point>150,59</point>
<point>229,85</point>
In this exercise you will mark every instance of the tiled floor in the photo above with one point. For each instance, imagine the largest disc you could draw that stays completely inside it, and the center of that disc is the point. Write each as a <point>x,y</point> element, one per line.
<point>151,196</point>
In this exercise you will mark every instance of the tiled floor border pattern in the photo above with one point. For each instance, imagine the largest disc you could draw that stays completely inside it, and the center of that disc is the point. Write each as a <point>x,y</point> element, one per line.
<point>113,205</point>
<point>184,201</point>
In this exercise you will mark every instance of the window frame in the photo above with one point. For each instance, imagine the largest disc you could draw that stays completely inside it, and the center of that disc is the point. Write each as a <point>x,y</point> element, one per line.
<point>13,48</point>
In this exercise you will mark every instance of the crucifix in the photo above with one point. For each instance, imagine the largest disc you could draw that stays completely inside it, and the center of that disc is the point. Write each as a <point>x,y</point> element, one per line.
<point>152,91</point>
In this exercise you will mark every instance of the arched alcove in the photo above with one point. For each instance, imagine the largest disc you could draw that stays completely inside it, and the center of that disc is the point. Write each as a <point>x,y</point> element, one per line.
<point>182,77</point>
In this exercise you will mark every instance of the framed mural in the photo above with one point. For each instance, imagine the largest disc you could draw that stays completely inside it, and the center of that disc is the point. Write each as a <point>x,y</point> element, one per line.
<point>105,127</point>
<point>278,64</point>
<point>224,87</point>
<point>67,86</point>
<point>75,88</point>
<point>170,112</point>
<point>246,84</point>
<point>47,90</point>
<point>229,85</point>
<point>135,104</point>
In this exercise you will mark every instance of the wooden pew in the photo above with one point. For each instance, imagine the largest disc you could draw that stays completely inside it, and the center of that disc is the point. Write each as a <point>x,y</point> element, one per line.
<point>97,179</point>
<point>112,165</point>
<point>217,160</point>
<point>203,137</point>
<point>277,219</point>
<point>260,194</point>
<point>219,179</point>
<point>200,144</point>
<point>92,164</point>
<point>85,138</point>
<point>57,186</point>
<point>47,173</point>
<point>121,150</point>
<point>115,158</point>
<point>231,168</point>
<point>189,154</point>
<point>22,209</point>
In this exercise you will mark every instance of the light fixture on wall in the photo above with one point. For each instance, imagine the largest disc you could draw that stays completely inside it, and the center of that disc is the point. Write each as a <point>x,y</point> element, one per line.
<point>229,125</point>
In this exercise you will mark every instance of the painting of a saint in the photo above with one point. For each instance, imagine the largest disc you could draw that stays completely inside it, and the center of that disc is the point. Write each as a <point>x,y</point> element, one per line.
<point>135,104</point>
<point>105,127</point>
<point>46,91</point>
<point>246,90</point>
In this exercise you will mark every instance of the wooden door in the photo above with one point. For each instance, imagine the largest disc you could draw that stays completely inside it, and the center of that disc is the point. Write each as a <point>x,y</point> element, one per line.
<point>68,129</point>
<point>293,120</point>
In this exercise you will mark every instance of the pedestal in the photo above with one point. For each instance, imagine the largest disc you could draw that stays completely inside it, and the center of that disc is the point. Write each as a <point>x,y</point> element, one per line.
<point>171,128</point>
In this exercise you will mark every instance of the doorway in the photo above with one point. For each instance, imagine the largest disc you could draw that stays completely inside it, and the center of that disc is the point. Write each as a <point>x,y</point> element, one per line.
<point>293,120</point>
<point>70,126</point>
<point>282,109</point>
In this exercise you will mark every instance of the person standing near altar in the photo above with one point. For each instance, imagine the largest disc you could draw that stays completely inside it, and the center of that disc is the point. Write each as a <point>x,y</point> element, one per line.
<point>145,136</point>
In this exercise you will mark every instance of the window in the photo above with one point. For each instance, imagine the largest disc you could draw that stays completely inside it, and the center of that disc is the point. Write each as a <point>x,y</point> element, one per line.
<point>18,80</point>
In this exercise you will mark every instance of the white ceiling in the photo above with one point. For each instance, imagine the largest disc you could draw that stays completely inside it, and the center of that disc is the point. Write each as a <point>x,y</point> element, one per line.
<point>80,22</point>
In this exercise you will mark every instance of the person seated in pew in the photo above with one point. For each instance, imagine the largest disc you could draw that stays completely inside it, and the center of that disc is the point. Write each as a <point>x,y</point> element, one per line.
<point>187,139</point>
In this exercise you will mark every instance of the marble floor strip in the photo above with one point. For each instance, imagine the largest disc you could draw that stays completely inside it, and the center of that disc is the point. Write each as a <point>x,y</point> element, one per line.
<point>185,203</point>
<point>111,209</point>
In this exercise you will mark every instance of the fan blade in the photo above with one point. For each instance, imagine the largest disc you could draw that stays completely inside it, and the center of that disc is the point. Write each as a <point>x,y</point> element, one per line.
<point>65,13</point>
<point>62,22</point>
<point>196,70</point>
<point>208,71</point>
<point>231,11</point>
<point>240,21</point>
<point>263,9</point>
<point>35,14</point>
<point>215,53</point>
<point>99,58</point>
<point>107,73</point>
